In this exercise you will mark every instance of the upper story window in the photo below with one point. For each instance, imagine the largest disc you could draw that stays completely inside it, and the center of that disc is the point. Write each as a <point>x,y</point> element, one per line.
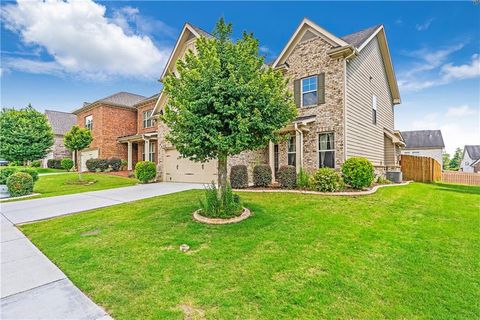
<point>309,91</point>
<point>147,119</point>
<point>292,151</point>
<point>374,109</point>
<point>89,122</point>
<point>326,150</point>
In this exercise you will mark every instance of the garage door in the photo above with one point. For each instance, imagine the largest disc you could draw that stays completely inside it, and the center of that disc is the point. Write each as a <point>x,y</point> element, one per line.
<point>84,156</point>
<point>178,169</point>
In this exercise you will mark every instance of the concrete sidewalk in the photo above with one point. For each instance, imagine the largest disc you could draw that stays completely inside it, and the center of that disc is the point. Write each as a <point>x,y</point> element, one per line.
<point>32,287</point>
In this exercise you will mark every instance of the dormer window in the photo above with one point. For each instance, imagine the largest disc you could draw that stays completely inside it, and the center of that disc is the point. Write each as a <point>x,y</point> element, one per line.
<point>309,91</point>
<point>89,122</point>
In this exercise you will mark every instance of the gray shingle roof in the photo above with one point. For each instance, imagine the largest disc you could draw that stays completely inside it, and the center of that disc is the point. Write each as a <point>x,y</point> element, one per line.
<point>123,98</point>
<point>423,139</point>
<point>358,38</point>
<point>200,31</point>
<point>473,152</point>
<point>61,122</point>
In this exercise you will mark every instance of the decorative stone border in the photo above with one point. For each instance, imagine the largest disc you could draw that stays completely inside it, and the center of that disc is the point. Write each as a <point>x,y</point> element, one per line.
<point>245,214</point>
<point>353,193</point>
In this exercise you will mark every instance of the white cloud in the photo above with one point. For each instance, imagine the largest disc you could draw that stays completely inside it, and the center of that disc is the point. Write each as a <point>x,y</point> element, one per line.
<point>81,40</point>
<point>460,111</point>
<point>424,26</point>
<point>464,71</point>
<point>456,135</point>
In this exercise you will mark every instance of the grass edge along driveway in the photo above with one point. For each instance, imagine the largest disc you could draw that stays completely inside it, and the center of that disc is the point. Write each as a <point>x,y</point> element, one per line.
<point>405,252</point>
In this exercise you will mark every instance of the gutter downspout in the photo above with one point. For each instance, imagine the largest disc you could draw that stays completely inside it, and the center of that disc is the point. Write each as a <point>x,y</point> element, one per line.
<point>300,143</point>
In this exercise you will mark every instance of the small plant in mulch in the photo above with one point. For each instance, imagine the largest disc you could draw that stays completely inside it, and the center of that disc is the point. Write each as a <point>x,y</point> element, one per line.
<point>214,205</point>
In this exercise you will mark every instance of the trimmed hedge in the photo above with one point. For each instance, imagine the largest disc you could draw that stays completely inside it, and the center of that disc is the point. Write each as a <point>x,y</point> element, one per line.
<point>32,172</point>
<point>287,177</point>
<point>262,175</point>
<point>5,173</point>
<point>35,164</point>
<point>115,163</point>
<point>20,184</point>
<point>145,171</point>
<point>358,172</point>
<point>239,176</point>
<point>54,163</point>
<point>96,164</point>
<point>326,180</point>
<point>67,163</point>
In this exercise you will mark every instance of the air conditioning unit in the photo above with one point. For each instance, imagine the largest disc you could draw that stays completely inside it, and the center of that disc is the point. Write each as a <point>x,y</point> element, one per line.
<point>394,176</point>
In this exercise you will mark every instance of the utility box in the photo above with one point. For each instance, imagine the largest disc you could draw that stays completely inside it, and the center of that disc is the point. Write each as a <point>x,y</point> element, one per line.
<point>394,176</point>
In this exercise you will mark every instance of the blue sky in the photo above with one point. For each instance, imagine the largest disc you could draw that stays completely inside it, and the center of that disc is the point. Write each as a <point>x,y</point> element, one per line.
<point>56,54</point>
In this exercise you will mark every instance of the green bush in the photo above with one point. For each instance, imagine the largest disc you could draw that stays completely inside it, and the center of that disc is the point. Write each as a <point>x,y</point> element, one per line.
<point>5,173</point>
<point>32,172</point>
<point>115,163</point>
<point>226,206</point>
<point>145,171</point>
<point>67,164</point>
<point>262,175</point>
<point>124,164</point>
<point>358,172</point>
<point>239,176</point>
<point>96,165</point>
<point>287,177</point>
<point>303,180</point>
<point>54,163</point>
<point>326,180</point>
<point>20,184</point>
<point>35,164</point>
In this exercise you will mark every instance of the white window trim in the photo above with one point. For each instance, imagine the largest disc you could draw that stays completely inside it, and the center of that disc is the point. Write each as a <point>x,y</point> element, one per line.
<point>294,145</point>
<point>374,107</point>
<point>147,118</point>
<point>89,122</point>
<point>326,150</point>
<point>151,152</point>
<point>303,92</point>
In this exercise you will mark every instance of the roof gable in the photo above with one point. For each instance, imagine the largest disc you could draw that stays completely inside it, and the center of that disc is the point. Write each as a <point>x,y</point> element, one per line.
<point>61,122</point>
<point>423,139</point>
<point>473,151</point>
<point>358,38</point>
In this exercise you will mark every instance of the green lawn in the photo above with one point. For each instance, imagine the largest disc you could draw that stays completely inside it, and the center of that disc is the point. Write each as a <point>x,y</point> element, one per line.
<point>408,252</point>
<point>39,170</point>
<point>59,184</point>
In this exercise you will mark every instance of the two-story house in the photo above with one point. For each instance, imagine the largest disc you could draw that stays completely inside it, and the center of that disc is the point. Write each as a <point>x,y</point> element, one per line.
<point>345,90</point>
<point>121,126</point>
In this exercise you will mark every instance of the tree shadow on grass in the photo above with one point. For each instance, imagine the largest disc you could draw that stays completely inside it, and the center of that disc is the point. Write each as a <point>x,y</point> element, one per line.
<point>458,188</point>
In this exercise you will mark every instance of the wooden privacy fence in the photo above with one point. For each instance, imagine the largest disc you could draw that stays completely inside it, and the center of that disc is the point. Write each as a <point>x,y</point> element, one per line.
<point>461,177</point>
<point>420,169</point>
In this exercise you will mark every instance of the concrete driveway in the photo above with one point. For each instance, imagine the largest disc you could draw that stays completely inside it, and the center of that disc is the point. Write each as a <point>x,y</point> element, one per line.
<point>32,287</point>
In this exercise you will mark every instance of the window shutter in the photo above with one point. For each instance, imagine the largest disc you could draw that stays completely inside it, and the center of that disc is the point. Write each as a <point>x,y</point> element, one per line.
<point>296,92</point>
<point>321,88</point>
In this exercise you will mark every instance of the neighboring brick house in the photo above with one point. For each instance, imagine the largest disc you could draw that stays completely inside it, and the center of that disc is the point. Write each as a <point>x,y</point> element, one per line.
<point>61,123</point>
<point>424,143</point>
<point>345,90</point>
<point>470,159</point>
<point>114,121</point>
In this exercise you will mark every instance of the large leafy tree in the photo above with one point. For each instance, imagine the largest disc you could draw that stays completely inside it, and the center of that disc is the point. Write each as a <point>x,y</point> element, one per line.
<point>25,134</point>
<point>75,140</point>
<point>457,157</point>
<point>225,100</point>
<point>446,160</point>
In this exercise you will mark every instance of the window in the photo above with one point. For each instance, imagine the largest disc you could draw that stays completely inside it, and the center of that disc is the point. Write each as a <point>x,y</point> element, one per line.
<point>151,153</point>
<point>309,91</point>
<point>89,122</point>
<point>374,109</point>
<point>326,150</point>
<point>147,119</point>
<point>291,151</point>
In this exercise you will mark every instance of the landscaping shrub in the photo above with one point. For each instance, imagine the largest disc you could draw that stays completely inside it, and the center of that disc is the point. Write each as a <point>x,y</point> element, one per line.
<point>287,177</point>
<point>20,184</point>
<point>35,164</point>
<point>303,180</point>
<point>32,172</point>
<point>262,175</point>
<point>145,171</point>
<point>226,206</point>
<point>124,164</point>
<point>97,165</point>
<point>358,172</point>
<point>54,163</point>
<point>67,164</point>
<point>115,163</point>
<point>5,173</point>
<point>326,180</point>
<point>239,177</point>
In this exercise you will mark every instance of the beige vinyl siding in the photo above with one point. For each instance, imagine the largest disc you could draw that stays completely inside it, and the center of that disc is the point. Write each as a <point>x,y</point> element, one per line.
<point>363,138</point>
<point>390,151</point>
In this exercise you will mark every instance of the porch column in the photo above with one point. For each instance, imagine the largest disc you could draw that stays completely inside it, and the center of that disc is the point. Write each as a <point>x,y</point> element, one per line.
<point>271,159</point>
<point>298,149</point>
<point>146,149</point>
<point>129,156</point>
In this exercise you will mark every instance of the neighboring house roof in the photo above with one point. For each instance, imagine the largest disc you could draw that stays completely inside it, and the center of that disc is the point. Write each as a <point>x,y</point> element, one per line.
<point>154,97</point>
<point>61,122</point>
<point>473,151</point>
<point>121,99</point>
<point>358,38</point>
<point>423,139</point>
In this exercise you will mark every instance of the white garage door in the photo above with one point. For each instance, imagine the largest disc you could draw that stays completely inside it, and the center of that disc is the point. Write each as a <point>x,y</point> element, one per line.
<point>179,169</point>
<point>84,156</point>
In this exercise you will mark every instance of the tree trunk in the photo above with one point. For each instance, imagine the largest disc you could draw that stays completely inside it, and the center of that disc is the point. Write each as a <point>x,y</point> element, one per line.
<point>222,174</point>
<point>77,163</point>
